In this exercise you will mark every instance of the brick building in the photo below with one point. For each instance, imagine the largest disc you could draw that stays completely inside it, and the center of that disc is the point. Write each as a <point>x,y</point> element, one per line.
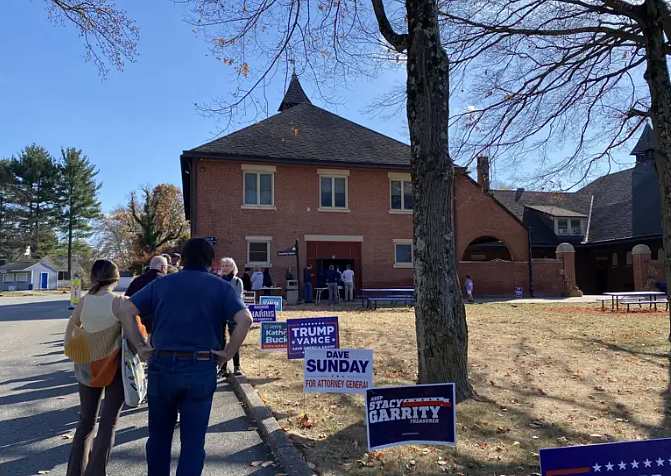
<point>344,192</point>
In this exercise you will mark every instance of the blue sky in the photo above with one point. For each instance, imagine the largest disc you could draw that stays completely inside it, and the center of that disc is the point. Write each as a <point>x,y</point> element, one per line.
<point>134,124</point>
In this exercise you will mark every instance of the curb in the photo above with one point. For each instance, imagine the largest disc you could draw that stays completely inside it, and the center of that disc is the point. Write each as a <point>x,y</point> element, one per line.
<point>288,456</point>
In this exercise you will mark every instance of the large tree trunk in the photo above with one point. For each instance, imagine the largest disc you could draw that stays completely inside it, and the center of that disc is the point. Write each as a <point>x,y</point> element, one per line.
<point>659,84</point>
<point>442,335</point>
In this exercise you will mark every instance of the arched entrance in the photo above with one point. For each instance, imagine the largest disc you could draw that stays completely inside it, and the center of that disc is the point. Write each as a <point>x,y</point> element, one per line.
<point>487,248</point>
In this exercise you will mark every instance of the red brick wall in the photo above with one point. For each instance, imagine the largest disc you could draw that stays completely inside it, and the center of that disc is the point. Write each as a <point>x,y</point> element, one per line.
<point>548,278</point>
<point>478,215</point>
<point>220,196</point>
<point>496,277</point>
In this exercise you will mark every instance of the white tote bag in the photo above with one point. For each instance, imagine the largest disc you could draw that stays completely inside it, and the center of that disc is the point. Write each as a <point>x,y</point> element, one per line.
<point>132,374</point>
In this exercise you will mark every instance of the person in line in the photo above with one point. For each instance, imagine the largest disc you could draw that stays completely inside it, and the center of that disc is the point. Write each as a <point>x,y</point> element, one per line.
<point>189,309</point>
<point>158,267</point>
<point>257,281</point>
<point>267,279</point>
<point>247,280</point>
<point>307,280</point>
<point>229,272</point>
<point>468,284</point>
<point>93,339</point>
<point>348,283</point>
<point>332,278</point>
<point>176,260</point>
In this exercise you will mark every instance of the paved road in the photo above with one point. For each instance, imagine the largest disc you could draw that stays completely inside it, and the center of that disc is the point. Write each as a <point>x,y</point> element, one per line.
<point>39,404</point>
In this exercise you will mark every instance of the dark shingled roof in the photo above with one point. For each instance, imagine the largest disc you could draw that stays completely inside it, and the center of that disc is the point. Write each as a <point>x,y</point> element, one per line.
<point>17,266</point>
<point>645,142</point>
<point>306,134</point>
<point>294,95</point>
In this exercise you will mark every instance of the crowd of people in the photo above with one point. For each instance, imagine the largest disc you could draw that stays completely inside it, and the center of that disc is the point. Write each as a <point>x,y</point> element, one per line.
<point>185,315</point>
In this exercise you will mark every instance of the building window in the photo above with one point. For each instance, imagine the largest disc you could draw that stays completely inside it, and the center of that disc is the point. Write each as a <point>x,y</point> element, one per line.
<point>628,259</point>
<point>568,226</point>
<point>8,278</point>
<point>403,251</point>
<point>258,251</point>
<point>258,186</point>
<point>333,190</point>
<point>21,277</point>
<point>401,195</point>
<point>63,276</point>
<point>660,255</point>
<point>614,259</point>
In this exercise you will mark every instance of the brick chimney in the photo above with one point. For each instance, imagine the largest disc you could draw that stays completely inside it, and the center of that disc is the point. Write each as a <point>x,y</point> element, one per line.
<point>483,172</point>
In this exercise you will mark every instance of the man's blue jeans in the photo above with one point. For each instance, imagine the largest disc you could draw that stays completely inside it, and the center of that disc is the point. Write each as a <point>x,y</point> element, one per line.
<point>188,386</point>
<point>308,292</point>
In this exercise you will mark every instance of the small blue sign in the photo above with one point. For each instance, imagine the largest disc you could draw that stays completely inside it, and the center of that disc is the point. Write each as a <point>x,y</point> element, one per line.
<point>632,458</point>
<point>413,414</point>
<point>276,300</point>
<point>312,333</point>
<point>263,312</point>
<point>273,336</point>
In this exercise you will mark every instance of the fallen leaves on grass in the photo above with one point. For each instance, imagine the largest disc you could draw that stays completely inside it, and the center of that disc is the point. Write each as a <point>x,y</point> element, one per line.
<point>304,421</point>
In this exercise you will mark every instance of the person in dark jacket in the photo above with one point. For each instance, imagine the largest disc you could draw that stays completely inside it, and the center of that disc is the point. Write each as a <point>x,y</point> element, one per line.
<point>247,280</point>
<point>158,267</point>
<point>332,278</point>
<point>307,280</point>
<point>267,279</point>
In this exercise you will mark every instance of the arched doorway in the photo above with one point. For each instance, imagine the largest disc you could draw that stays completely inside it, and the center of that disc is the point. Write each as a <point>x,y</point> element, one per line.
<point>487,248</point>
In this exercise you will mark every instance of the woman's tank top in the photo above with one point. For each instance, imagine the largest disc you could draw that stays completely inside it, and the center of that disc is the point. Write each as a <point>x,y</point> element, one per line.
<point>97,313</point>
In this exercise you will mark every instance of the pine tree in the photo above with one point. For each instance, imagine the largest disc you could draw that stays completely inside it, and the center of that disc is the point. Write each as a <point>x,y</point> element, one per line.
<point>78,197</point>
<point>9,244</point>
<point>35,180</point>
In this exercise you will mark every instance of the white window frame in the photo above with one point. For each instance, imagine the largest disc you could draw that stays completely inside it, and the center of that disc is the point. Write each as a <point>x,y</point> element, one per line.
<point>334,174</point>
<point>569,228</point>
<point>614,262</point>
<point>8,275</point>
<point>259,239</point>
<point>17,278</point>
<point>399,177</point>
<point>258,170</point>
<point>412,253</point>
<point>628,259</point>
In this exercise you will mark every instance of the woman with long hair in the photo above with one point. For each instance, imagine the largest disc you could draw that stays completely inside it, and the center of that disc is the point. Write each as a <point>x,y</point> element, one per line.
<point>229,272</point>
<point>93,342</point>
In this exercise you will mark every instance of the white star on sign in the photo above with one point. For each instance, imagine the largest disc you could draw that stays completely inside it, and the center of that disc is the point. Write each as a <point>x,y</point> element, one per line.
<point>597,468</point>
<point>660,462</point>
<point>634,464</point>
<point>647,463</point>
<point>622,465</point>
<point>609,466</point>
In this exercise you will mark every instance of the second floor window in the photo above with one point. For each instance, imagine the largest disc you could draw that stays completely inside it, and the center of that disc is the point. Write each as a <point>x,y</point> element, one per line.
<point>401,195</point>
<point>333,192</point>
<point>258,188</point>
<point>569,226</point>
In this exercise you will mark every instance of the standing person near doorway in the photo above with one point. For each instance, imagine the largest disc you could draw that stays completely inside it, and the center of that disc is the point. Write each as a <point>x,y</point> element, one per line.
<point>307,280</point>
<point>229,271</point>
<point>332,278</point>
<point>348,283</point>
<point>247,280</point>
<point>257,281</point>
<point>189,309</point>
<point>468,284</point>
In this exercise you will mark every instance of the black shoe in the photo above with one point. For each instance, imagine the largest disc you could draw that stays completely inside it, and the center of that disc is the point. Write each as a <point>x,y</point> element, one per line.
<point>237,371</point>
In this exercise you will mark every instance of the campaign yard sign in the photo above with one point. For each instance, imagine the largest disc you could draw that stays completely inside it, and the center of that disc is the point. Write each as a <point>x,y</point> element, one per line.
<point>338,371</point>
<point>273,336</point>
<point>262,312</point>
<point>249,297</point>
<point>634,458</point>
<point>311,332</point>
<point>519,292</point>
<point>276,300</point>
<point>414,414</point>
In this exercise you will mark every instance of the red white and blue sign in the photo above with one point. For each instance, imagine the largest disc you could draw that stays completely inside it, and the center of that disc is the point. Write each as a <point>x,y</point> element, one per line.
<point>632,458</point>
<point>263,312</point>
<point>410,415</point>
<point>312,333</point>
<point>338,370</point>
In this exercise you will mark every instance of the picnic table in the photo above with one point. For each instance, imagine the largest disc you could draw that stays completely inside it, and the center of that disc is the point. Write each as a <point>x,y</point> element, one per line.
<point>374,295</point>
<point>320,291</point>
<point>617,297</point>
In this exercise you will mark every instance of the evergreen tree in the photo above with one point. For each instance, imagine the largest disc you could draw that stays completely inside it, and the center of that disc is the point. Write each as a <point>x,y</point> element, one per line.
<point>9,243</point>
<point>35,200</point>
<point>78,198</point>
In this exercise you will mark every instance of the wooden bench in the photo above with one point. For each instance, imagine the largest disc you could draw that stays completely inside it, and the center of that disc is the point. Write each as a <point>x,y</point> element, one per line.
<point>407,300</point>
<point>651,303</point>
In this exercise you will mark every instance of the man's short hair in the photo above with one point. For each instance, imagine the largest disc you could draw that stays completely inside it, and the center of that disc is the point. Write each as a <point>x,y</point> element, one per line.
<point>158,262</point>
<point>197,253</point>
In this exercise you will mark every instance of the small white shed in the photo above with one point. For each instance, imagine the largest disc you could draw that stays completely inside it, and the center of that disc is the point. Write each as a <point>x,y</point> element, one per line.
<point>26,276</point>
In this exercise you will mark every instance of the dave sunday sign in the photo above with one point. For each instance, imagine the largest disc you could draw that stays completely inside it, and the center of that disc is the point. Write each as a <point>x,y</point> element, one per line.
<point>312,332</point>
<point>338,371</point>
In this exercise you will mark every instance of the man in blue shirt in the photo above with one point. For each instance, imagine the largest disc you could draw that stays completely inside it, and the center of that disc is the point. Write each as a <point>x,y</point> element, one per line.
<point>189,309</point>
